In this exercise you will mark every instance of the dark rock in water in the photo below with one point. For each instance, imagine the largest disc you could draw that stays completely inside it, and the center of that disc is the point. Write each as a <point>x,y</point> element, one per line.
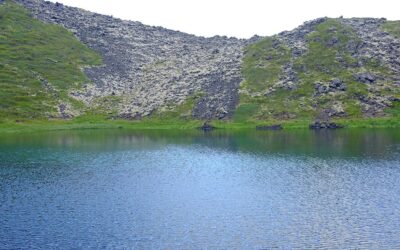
<point>365,77</point>
<point>207,127</point>
<point>325,125</point>
<point>271,127</point>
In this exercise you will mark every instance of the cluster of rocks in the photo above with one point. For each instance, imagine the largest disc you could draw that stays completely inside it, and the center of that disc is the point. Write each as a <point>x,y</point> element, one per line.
<point>368,43</point>
<point>365,77</point>
<point>374,43</point>
<point>288,78</point>
<point>296,41</point>
<point>336,109</point>
<point>374,105</point>
<point>334,85</point>
<point>151,67</point>
<point>384,49</point>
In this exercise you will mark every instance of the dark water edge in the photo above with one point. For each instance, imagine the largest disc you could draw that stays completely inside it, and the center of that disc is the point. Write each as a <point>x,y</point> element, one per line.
<point>194,190</point>
<point>333,143</point>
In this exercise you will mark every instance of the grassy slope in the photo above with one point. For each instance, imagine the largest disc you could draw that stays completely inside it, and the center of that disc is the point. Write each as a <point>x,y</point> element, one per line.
<point>392,27</point>
<point>263,64</point>
<point>31,54</point>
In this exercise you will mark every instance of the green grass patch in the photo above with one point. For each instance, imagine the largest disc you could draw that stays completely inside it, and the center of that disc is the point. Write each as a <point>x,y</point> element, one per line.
<point>178,113</point>
<point>99,122</point>
<point>33,54</point>
<point>262,63</point>
<point>245,110</point>
<point>393,27</point>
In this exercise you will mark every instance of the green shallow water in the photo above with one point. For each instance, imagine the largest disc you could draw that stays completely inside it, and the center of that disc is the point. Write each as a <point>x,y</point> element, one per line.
<point>194,190</point>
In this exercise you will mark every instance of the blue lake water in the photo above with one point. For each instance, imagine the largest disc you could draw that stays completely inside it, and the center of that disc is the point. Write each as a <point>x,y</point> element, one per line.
<point>189,190</point>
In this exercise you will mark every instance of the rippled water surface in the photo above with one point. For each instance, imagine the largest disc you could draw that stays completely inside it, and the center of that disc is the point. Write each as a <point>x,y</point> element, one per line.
<point>190,190</point>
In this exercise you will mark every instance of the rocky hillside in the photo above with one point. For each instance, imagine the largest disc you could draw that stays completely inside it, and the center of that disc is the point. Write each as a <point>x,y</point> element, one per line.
<point>150,69</point>
<point>326,68</point>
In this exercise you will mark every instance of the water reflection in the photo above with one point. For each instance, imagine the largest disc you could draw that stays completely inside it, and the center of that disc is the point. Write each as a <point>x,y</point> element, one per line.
<point>189,190</point>
<point>340,143</point>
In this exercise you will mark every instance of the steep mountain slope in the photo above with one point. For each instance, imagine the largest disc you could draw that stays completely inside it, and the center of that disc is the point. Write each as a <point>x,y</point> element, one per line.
<point>149,69</point>
<point>325,69</point>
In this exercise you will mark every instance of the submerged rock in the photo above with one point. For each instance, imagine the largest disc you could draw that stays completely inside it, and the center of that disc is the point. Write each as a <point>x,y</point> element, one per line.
<point>206,127</point>
<point>270,127</point>
<point>325,125</point>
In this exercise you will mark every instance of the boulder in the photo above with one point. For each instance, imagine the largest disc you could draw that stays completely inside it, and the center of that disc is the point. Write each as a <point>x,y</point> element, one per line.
<point>321,88</point>
<point>333,86</point>
<point>337,84</point>
<point>270,127</point>
<point>365,77</point>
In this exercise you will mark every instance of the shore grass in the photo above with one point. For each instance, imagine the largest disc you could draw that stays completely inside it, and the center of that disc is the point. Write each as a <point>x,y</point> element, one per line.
<point>28,126</point>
